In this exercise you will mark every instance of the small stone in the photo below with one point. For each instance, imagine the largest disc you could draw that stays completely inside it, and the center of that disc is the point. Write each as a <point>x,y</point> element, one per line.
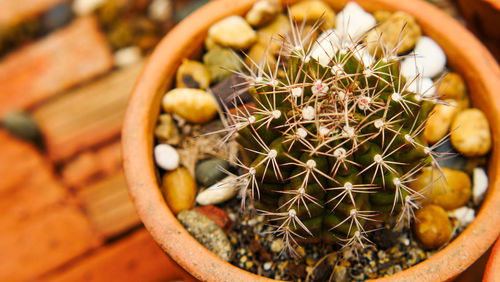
<point>160,10</point>
<point>232,92</point>
<point>451,191</point>
<point>209,172</point>
<point>220,62</point>
<point>480,185</point>
<point>210,43</point>
<point>271,34</point>
<point>325,47</point>
<point>339,273</point>
<point>166,131</point>
<point>127,56</point>
<point>205,231</point>
<point>166,157</point>
<point>85,7</point>
<point>439,121</point>
<point>219,216</point>
<point>277,245</point>
<point>263,12</point>
<point>219,192</point>
<point>233,32</point>
<point>353,22</point>
<point>22,126</point>
<point>399,31</point>
<point>260,55</point>
<point>432,227</point>
<point>57,17</point>
<point>192,74</point>
<point>429,60</point>
<point>267,266</point>
<point>312,11</point>
<point>421,85</point>
<point>471,135</point>
<point>179,189</point>
<point>381,15</point>
<point>384,238</point>
<point>452,86</point>
<point>194,105</point>
<point>463,215</point>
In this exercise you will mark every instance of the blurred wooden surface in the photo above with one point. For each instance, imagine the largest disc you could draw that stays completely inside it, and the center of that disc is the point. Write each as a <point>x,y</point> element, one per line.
<point>66,214</point>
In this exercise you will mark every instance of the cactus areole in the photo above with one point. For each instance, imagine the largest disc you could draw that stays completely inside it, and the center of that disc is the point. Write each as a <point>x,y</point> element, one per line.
<point>333,140</point>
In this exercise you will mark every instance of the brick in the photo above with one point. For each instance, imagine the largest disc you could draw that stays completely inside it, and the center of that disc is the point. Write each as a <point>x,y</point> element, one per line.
<point>135,258</point>
<point>92,165</point>
<point>87,116</point>
<point>28,184</point>
<point>53,64</point>
<point>19,10</point>
<point>108,206</point>
<point>45,242</point>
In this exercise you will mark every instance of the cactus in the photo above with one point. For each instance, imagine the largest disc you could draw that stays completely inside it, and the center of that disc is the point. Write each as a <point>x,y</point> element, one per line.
<point>330,146</point>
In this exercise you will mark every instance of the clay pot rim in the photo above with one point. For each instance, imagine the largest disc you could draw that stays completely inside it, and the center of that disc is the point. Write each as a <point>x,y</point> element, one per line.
<point>467,55</point>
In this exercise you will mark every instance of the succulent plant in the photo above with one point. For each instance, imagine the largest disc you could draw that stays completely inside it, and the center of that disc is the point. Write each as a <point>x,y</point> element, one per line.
<point>332,140</point>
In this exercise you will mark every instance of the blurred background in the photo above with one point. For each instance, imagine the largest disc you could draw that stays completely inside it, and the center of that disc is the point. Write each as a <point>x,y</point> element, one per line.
<point>67,69</point>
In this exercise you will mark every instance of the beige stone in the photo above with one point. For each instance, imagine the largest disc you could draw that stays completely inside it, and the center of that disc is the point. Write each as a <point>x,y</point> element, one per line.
<point>312,11</point>
<point>194,105</point>
<point>439,121</point>
<point>233,32</point>
<point>471,134</point>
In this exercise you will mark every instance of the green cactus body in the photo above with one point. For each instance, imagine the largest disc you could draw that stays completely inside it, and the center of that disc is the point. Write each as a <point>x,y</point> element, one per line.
<point>329,150</point>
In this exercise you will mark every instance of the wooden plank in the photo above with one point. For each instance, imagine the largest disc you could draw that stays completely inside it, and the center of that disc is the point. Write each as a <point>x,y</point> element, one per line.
<point>13,11</point>
<point>135,258</point>
<point>53,64</point>
<point>92,165</point>
<point>108,206</point>
<point>87,116</point>
<point>45,242</point>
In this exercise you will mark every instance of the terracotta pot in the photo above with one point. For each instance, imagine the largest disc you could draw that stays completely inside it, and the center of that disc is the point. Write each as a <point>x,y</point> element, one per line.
<point>492,271</point>
<point>466,55</point>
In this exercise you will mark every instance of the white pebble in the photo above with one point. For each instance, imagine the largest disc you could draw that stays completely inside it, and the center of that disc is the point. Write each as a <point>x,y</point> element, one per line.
<point>421,85</point>
<point>463,215</point>
<point>85,7</point>
<point>325,47</point>
<point>353,22</point>
<point>220,192</point>
<point>160,10</point>
<point>429,60</point>
<point>480,185</point>
<point>127,56</point>
<point>166,157</point>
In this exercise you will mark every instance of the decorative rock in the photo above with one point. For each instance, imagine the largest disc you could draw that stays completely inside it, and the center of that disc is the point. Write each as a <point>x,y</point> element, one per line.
<point>480,182</point>
<point>57,17</point>
<point>207,233</point>
<point>463,215</point>
<point>271,33</point>
<point>326,46</point>
<point>85,7</point>
<point>160,10</point>
<point>399,31</point>
<point>451,191</point>
<point>220,61</point>
<point>471,135</point>
<point>219,216</point>
<point>260,55</point>
<point>233,32</point>
<point>429,60</point>
<point>277,245</point>
<point>211,44</point>
<point>432,227</point>
<point>231,88</point>
<point>166,157</point>
<point>353,22</point>
<point>312,11</point>
<point>208,172</point>
<point>179,189</point>
<point>452,87</point>
<point>218,193</point>
<point>127,56</point>
<point>381,15</point>
<point>263,12</point>
<point>422,85</point>
<point>439,121</point>
<point>192,74</point>
<point>22,126</point>
<point>167,131</point>
<point>194,105</point>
